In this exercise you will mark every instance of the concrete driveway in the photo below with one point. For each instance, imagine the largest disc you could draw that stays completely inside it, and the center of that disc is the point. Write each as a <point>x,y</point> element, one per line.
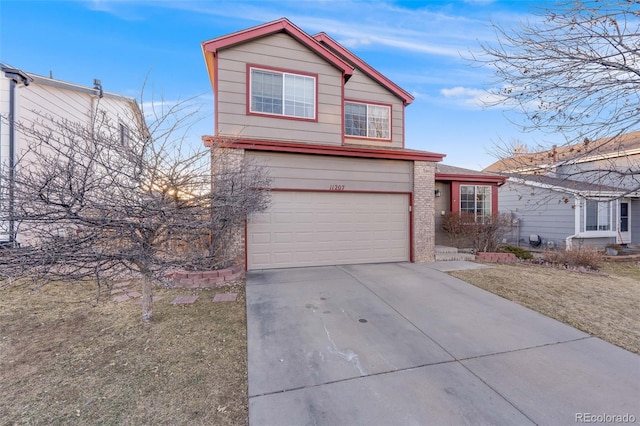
<point>406,344</point>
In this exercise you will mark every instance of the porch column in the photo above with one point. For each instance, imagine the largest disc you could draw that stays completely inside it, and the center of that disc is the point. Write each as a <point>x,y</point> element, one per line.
<point>423,211</point>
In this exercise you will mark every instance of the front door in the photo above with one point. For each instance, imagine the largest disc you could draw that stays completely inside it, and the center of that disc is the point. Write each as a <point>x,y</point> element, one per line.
<point>624,230</point>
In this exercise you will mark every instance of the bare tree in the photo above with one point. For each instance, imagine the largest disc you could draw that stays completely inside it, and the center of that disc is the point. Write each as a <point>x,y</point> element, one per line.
<point>90,204</point>
<point>573,69</point>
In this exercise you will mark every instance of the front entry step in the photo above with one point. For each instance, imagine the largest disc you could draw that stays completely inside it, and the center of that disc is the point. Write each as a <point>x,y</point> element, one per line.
<point>444,254</point>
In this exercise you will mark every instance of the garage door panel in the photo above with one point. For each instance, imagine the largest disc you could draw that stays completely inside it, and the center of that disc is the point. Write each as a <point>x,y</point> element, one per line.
<point>283,237</point>
<point>327,228</point>
<point>261,238</point>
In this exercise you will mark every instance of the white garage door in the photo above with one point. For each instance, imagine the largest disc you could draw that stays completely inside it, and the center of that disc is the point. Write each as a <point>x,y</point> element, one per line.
<point>329,228</point>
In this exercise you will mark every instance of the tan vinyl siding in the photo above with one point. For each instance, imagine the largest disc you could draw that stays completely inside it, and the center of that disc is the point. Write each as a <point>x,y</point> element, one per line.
<point>318,172</point>
<point>282,52</point>
<point>362,88</point>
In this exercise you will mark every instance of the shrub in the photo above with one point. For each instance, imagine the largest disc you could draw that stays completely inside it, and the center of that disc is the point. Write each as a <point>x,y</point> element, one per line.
<point>518,251</point>
<point>576,257</point>
<point>483,236</point>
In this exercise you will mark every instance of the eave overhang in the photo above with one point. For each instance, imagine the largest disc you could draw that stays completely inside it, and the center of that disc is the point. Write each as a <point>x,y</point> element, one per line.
<point>498,180</point>
<point>335,150</point>
<point>405,96</point>
<point>210,48</point>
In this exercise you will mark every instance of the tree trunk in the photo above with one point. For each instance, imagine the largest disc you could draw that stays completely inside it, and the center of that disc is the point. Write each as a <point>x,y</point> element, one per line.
<point>147,300</point>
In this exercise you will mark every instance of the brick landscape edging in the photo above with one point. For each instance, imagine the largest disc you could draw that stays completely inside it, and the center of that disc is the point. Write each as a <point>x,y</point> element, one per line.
<point>496,257</point>
<point>205,279</point>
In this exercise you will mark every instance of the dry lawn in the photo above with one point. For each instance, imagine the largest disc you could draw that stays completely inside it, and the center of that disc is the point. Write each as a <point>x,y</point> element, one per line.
<point>603,306</point>
<point>65,359</point>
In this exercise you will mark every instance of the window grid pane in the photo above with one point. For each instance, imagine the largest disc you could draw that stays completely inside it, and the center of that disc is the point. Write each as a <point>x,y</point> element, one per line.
<point>597,216</point>
<point>355,119</point>
<point>283,94</point>
<point>603,217</point>
<point>299,96</point>
<point>476,200</point>
<point>485,197</point>
<point>266,92</point>
<point>467,199</point>
<point>378,118</point>
<point>365,120</point>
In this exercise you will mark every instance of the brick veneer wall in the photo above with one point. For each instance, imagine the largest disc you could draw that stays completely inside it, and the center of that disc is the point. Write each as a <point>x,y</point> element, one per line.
<point>496,257</point>
<point>423,211</point>
<point>230,159</point>
<point>205,279</point>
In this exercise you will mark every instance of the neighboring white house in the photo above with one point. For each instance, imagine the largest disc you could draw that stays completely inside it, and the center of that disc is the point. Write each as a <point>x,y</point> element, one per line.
<point>28,100</point>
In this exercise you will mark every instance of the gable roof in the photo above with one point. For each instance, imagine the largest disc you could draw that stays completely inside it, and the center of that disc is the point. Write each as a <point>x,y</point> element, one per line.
<point>60,84</point>
<point>610,147</point>
<point>347,55</point>
<point>453,173</point>
<point>280,25</point>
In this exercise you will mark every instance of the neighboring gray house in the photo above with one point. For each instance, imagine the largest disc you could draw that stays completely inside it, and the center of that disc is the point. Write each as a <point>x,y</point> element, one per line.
<point>587,193</point>
<point>567,213</point>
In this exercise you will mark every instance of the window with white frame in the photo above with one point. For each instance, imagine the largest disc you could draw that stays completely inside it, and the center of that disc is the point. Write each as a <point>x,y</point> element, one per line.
<point>282,93</point>
<point>476,200</point>
<point>366,120</point>
<point>598,216</point>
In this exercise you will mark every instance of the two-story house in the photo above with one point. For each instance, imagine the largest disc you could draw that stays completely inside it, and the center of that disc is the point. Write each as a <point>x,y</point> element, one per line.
<point>585,193</point>
<point>331,131</point>
<point>30,102</point>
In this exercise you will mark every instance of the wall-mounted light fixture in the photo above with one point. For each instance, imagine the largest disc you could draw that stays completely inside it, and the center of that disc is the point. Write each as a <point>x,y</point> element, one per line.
<point>438,193</point>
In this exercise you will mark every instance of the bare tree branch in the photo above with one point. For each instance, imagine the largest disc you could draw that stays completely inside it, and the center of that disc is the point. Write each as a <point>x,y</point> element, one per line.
<point>89,204</point>
<point>573,70</point>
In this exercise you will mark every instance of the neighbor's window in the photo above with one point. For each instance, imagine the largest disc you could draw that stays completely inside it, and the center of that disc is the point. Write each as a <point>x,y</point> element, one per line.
<point>365,120</point>
<point>281,93</point>
<point>598,216</point>
<point>124,134</point>
<point>476,200</point>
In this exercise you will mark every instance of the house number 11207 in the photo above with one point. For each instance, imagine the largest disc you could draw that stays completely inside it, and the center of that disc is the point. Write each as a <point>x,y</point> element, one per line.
<point>336,187</point>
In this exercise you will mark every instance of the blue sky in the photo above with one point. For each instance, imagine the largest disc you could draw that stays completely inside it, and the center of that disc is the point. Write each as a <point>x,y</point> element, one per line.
<point>417,44</point>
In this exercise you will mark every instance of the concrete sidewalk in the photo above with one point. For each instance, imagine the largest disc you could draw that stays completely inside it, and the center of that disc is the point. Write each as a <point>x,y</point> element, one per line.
<point>404,344</point>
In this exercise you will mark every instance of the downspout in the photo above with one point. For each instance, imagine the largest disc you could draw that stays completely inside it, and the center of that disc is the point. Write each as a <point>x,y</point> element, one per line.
<point>16,77</point>
<point>577,217</point>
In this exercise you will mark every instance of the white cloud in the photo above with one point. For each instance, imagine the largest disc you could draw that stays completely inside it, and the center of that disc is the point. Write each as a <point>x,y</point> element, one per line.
<point>470,97</point>
<point>425,31</point>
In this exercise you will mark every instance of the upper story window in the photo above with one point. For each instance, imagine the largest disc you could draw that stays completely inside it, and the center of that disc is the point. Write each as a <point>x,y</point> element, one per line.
<point>124,134</point>
<point>283,93</point>
<point>367,120</point>
<point>598,216</point>
<point>476,200</point>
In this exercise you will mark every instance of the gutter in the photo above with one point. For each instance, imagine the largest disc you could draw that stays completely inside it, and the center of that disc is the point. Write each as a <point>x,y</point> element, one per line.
<point>17,77</point>
<point>587,193</point>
